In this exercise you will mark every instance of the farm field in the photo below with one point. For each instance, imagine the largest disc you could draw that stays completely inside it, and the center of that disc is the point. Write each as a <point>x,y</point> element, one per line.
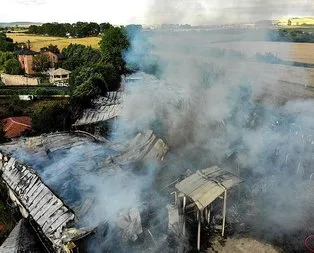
<point>38,41</point>
<point>297,21</point>
<point>299,52</point>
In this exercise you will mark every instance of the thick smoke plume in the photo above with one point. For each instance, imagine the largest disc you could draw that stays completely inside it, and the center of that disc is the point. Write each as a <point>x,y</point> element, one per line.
<point>218,110</point>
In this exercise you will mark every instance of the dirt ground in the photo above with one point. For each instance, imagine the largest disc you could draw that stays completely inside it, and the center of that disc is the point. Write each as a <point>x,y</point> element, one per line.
<point>241,245</point>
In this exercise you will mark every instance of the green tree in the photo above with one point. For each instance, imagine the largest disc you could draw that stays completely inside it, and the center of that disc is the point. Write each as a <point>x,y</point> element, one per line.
<point>51,48</point>
<point>107,76</point>
<point>51,117</point>
<point>104,26</point>
<point>5,56</point>
<point>6,44</point>
<point>113,44</point>
<point>41,63</point>
<point>12,67</point>
<point>78,55</point>
<point>2,134</point>
<point>82,96</point>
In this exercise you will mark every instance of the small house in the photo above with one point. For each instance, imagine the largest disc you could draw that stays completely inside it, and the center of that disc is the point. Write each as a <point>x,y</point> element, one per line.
<point>59,75</point>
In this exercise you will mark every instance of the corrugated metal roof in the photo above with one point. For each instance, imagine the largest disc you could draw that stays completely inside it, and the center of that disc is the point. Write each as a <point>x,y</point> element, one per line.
<point>204,186</point>
<point>105,108</point>
<point>49,212</point>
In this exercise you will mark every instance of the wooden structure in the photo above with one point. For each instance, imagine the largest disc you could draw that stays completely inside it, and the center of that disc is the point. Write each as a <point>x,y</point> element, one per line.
<point>201,189</point>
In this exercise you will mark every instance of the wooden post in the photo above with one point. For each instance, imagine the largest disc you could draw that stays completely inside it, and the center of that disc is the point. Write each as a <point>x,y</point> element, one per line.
<point>199,231</point>
<point>224,214</point>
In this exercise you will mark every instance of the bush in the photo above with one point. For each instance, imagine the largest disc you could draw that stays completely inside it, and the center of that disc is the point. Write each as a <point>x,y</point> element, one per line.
<point>51,117</point>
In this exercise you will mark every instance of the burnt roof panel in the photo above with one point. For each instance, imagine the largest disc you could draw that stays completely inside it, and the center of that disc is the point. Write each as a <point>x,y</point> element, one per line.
<point>204,186</point>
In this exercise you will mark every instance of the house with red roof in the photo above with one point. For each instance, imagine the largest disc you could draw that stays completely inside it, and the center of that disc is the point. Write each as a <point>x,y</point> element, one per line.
<point>14,127</point>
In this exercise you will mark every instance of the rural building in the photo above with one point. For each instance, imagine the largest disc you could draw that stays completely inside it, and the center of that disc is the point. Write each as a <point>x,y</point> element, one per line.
<point>26,59</point>
<point>14,127</point>
<point>18,80</point>
<point>54,58</point>
<point>59,75</point>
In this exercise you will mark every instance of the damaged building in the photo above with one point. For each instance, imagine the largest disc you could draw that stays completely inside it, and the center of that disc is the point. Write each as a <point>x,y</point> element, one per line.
<point>56,220</point>
<point>198,198</point>
<point>57,210</point>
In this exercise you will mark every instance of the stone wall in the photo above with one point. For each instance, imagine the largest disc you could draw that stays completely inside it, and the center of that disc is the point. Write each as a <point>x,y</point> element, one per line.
<point>19,80</point>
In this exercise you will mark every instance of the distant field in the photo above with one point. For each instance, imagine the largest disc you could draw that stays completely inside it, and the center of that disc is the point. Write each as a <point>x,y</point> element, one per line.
<point>297,21</point>
<point>38,41</point>
<point>299,52</point>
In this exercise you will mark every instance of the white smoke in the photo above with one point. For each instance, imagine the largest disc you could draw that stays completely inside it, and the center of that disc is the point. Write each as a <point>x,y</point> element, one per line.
<point>200,12</point>
<point>210,107</point>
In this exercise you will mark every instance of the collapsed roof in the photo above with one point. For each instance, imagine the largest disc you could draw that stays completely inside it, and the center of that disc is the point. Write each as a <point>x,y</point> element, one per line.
<point>104,108</point>
<point>57,205</point>
<point>35,199</point>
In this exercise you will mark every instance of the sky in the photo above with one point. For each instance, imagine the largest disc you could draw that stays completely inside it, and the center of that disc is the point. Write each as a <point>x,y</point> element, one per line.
<point>152,11</point>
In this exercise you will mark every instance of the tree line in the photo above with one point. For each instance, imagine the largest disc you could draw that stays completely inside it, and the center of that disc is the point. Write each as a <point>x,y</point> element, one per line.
<point>291,35</point>
<point>78,29</point>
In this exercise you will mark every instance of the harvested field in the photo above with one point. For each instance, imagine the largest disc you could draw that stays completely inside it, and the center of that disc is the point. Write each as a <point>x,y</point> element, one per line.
<point>38,41</point>
<point>297,21</point>
<point>280,84</point>
<point>298,52</point>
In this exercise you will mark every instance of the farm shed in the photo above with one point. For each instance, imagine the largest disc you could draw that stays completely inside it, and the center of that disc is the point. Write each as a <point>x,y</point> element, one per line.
<point>200,190</point>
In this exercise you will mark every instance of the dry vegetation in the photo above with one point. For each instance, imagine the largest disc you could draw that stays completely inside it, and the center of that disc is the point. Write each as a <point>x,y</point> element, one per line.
<point>299,52</point>
<point>38,41</point>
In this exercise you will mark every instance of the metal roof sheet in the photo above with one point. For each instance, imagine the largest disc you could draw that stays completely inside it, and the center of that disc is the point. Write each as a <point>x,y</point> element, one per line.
<point>105,108</point>
<point>204,186</point>
<point>35,196</point>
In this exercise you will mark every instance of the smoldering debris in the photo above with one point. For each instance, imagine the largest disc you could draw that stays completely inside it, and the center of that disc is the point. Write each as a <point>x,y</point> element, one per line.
<point>237,114</point>
<point>106,186</point>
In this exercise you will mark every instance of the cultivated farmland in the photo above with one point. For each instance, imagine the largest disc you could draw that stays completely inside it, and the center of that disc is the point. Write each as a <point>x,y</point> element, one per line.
<point>38,41</point>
